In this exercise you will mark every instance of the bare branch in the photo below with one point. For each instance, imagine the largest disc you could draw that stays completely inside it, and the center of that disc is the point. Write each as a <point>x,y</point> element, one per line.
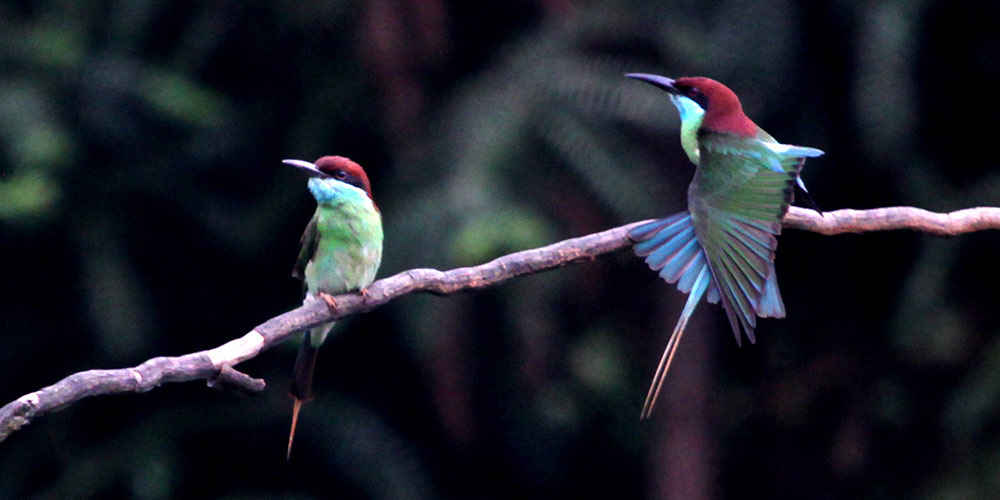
<point>216,365</point>
<point>887,219</point>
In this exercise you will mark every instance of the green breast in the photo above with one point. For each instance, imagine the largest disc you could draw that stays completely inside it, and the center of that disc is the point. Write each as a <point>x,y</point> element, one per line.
<point>349,247</point>
<point>689,138</point>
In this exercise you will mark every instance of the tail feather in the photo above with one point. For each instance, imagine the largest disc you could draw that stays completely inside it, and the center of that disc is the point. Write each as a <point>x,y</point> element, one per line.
<point>698,289</point>
<point>302,378</point>
<point>671,247</point>
<point>296,408</point>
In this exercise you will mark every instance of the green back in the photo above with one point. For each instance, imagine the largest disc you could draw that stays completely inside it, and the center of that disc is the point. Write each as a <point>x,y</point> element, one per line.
<point>737,201</point>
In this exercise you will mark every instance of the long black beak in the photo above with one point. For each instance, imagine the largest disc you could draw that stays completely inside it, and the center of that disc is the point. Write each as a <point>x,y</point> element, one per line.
<point>655,80</point>
<point>309,168</point>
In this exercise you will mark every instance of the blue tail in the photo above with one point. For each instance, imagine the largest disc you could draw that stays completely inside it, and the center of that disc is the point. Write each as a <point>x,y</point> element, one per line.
<point>671,248</point>
<point>698,289</point>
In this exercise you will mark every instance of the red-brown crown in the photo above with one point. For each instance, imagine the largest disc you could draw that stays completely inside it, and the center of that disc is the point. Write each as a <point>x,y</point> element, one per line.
<point>347,171</point>
<point>723,111</point>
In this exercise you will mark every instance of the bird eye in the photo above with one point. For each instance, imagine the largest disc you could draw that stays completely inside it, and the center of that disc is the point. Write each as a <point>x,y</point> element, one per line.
<point>340,174</point>
<point>698,97</point>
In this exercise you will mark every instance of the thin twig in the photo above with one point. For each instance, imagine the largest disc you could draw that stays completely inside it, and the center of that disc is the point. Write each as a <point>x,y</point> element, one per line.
<point>215,365</point>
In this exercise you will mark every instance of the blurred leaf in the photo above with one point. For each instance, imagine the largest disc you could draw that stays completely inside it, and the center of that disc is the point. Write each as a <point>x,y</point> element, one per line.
<point>182,99</point>
<point>28,195</point>
<point>493,234</point>
<point>596,360</point>
<point>53,47</point>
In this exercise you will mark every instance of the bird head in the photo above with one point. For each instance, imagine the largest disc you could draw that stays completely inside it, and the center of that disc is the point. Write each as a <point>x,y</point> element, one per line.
<point>698,97</point>
<point>333,177</point>
<point>337,168</point>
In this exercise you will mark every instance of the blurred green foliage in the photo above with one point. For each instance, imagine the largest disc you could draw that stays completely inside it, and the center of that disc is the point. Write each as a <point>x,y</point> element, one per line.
<point>144,211</point>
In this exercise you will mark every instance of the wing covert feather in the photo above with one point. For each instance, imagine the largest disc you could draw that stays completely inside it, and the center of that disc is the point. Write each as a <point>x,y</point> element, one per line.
<point>307,248</point>
<point>740,193</point>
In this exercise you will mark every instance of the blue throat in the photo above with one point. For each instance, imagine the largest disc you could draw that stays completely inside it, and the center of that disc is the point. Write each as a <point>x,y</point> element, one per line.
<point>691,116</point>
<point>332,191</point>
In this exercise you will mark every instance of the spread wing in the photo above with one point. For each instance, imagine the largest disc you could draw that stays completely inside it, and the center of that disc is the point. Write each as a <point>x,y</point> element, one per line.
<point>740,193</point>
<point>308,244</point>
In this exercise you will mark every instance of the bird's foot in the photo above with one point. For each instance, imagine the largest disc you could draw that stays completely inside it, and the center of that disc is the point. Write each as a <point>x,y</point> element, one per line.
<point>330,301</point>
<point>363,292</point>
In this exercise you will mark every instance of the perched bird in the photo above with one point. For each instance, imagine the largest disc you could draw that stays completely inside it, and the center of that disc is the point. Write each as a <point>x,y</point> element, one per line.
<point>341,251</point>
<point>723,246</point>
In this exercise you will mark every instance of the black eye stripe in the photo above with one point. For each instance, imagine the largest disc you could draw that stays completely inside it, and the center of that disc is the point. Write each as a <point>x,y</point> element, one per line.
<point>698,97</point>
<point>348,178</point>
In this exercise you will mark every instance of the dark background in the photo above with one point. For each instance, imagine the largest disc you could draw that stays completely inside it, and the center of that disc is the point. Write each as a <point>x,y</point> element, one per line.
<point>144,211</point>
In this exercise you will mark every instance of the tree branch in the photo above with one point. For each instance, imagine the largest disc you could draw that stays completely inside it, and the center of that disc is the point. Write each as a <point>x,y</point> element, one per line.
<point>890,218</point>
<point>216,365</point>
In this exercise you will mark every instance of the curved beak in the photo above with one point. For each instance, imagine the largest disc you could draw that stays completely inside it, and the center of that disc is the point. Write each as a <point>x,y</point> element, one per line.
<point>309,168</point>
<point>661,82</point>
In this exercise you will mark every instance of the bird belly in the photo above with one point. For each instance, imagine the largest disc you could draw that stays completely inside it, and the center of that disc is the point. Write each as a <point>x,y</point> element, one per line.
<point>341,271</point>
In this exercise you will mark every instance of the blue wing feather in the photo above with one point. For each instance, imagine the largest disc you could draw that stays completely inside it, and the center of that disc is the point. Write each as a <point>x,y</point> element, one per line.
<point>680,260</point>
<point>667,250</point>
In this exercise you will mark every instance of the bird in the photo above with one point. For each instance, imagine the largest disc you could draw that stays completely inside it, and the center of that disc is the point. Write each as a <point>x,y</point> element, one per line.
<point>723,246</point>
<point>341,250</point>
